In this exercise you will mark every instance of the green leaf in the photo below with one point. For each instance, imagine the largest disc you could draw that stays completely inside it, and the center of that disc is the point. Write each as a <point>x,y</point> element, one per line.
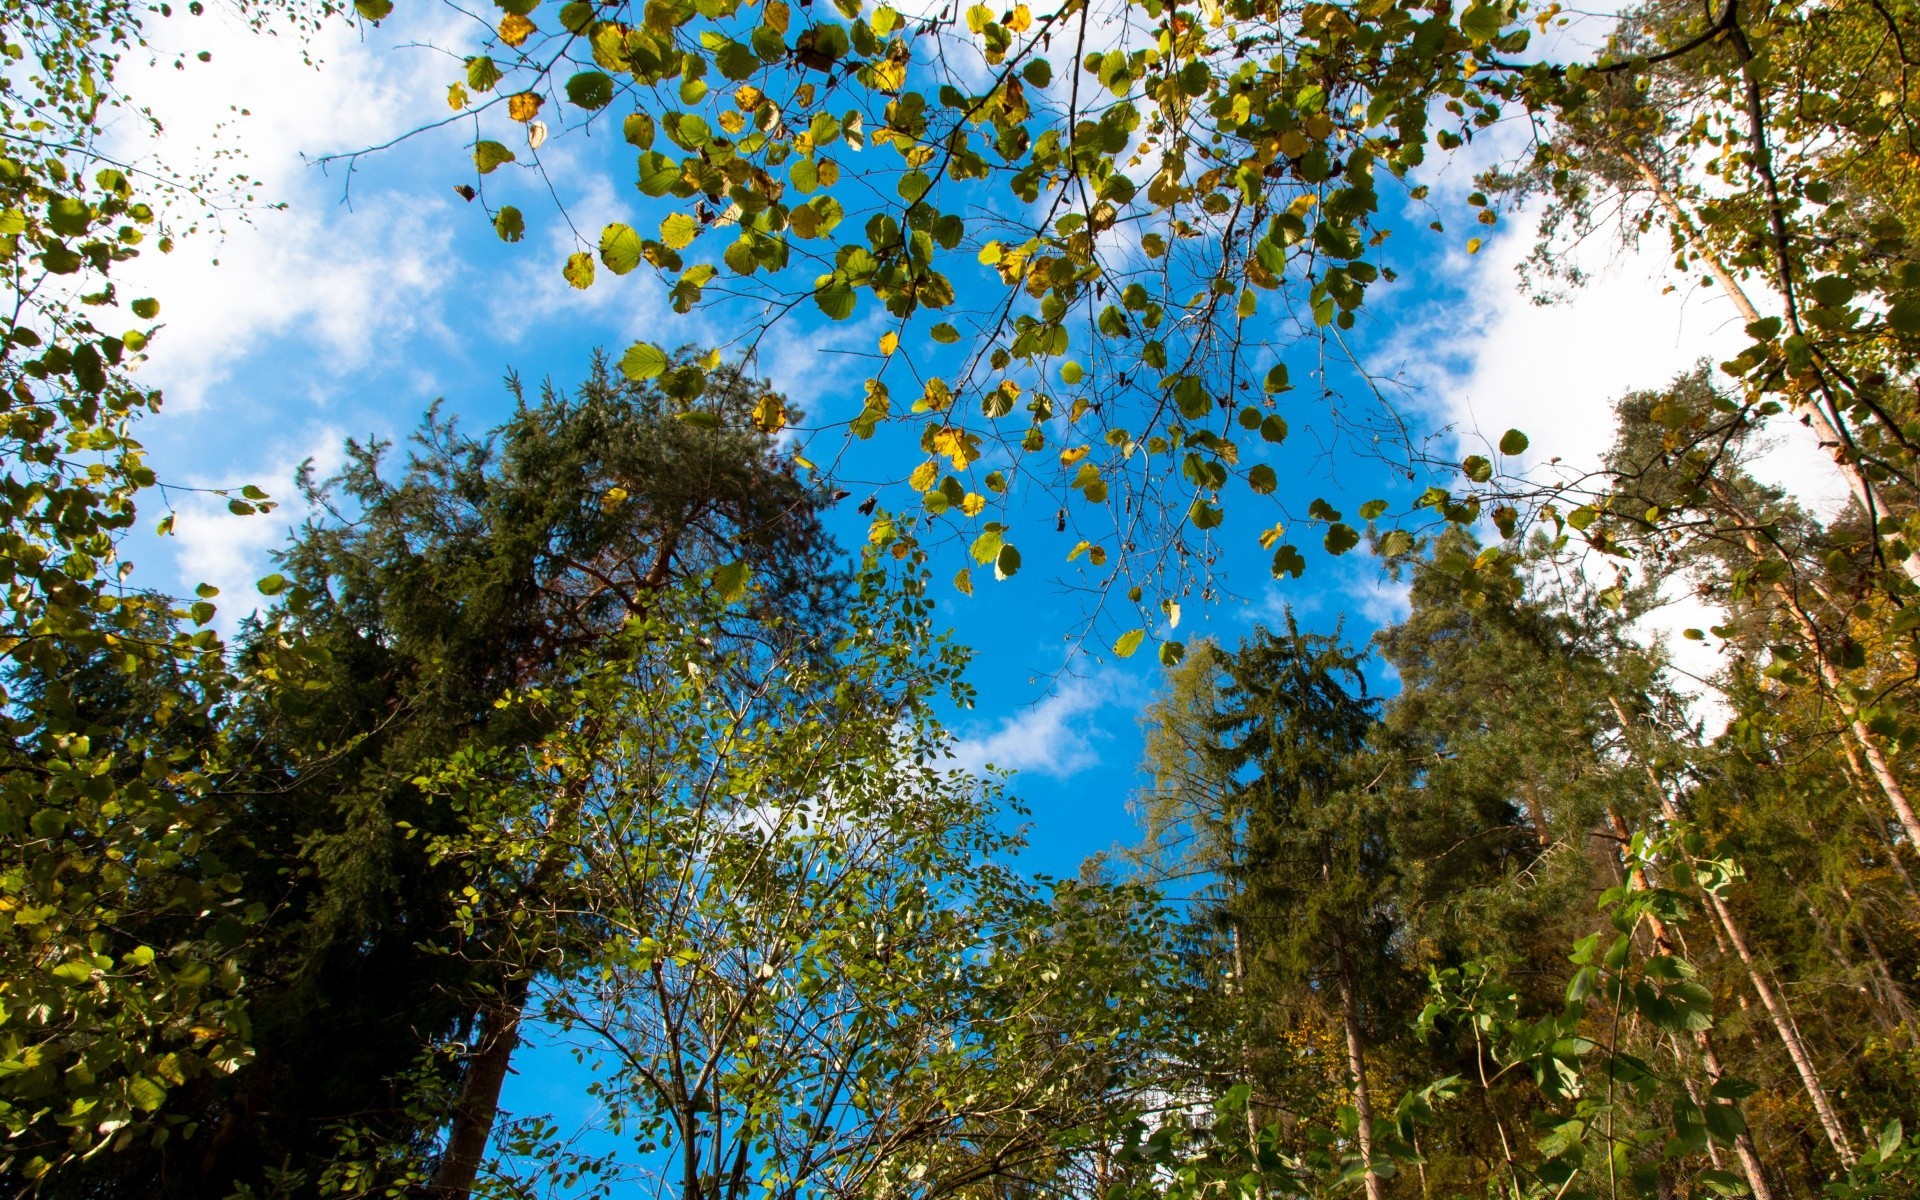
<point>913,185</point>
<point>657,174</point>
<point>1513,442</point>
<point>1372,509</point>
<point>1129,642</point>
<point>730,581</point>
<point>1481,23</point>
<point>482,73</point>
<point>1273,429</point>
<point>638,130</point>
<point>944,333</point>
<point>1071,373</point>
<point>1261,479</point>
<point>643,360</point>
<point>373,10</point>
<point>1891,1135</point>
<point>1724,1122</point>
<point>489,155</point>
<point>146,309</point>
<point>1287,561</point>
<point>1341,538</point>
<point>144,1092</point>
<point>1171,653</point>
<point>590,90</point>
<point>678,230</point>
<point>272,585</point>
<point>986,548</point>
<point>1006,562</point>
<point>509,224</point>
<point>1477,468</point>
<point>835,297</point>
<point>69,217</point>
<point>1276,381</point>
<point>619,248</point>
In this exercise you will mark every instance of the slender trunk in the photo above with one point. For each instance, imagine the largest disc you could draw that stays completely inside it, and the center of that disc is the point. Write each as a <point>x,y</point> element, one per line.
<point>1889,986</point>
<point>1862,737</point>
<point>1831,437</point>
<point>1750,1164</point>
<point>1357,1065</point>
<point>1775,1005</point>
<point>1537,813</point>
<point>1789,1031</point>
<point>1743,1147</point>
<point>1246,1050</point>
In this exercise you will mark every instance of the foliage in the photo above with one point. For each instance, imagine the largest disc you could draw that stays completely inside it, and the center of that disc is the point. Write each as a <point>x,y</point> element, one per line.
<point>785,937</point>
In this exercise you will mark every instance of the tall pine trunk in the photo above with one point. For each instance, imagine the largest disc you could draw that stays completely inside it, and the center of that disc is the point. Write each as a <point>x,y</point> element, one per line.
<point>1356,1063</point>
<point>1833,439</point>
<point>1743,1147</point>
<point>1777,1011</point>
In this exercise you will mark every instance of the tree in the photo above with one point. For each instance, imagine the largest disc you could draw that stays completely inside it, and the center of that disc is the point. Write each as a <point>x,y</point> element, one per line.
<point>122,983</point>
<point>785,934</point>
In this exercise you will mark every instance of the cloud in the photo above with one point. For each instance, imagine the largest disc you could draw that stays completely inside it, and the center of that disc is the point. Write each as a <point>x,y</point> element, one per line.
<point>1554,371</point>
<point>1060,736</point>
<point>212,545</point>
<point>356,284</point>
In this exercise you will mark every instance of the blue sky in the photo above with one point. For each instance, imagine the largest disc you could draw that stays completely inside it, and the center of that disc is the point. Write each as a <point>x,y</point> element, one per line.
<point>374,291</point>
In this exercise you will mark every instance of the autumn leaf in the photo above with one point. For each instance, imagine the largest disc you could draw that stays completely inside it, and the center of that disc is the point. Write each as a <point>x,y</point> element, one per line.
<point>523,106</point>
<point>516,29</point>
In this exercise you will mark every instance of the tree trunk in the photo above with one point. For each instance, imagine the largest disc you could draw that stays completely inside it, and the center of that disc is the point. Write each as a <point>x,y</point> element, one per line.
<point>1246,1050</point>
<point>1750,1164</point>
<point>479,1102</point>
<point>1776,1007</point>
<point>1357,1065</point>
<point>1862,737</point>
<point>1832,439</point>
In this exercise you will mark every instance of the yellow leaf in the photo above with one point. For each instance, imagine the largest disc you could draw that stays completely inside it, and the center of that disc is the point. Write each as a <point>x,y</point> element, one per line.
<point>889,342</point>
<point>972,503</point>
<point>770,415</point>
<point>923,476</point>
<point>732,122</point>
<point>963,582</point>
<point>457,97</point>
<point>1473,245</point>
<point>959,446</point>
<point>1073,455</point>
<point>515,29</point>
<point>748,98</point>
<point>613,498</point>
<point>889,75</point>
<point>1021,20</point>
<point>523,106</point>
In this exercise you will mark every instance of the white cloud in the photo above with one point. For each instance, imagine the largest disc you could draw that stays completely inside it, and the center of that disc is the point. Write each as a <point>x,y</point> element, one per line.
<point>357,282</point>
<point>1059,736</point>
<point>1492,360</point>
<point>213,545</point>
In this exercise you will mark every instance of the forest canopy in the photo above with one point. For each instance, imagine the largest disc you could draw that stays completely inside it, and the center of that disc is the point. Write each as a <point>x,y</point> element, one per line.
<point>581,736</point>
